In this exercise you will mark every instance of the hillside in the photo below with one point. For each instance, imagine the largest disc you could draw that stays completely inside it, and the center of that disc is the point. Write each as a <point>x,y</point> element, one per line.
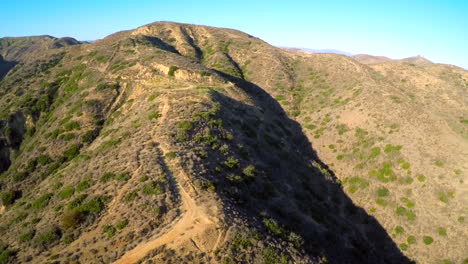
<point>176,143</point>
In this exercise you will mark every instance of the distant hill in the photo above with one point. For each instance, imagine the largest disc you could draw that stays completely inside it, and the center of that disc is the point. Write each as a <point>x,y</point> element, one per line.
<point>319,51</point>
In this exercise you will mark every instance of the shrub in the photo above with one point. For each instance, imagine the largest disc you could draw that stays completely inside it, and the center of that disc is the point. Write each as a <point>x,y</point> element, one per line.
<point>121,224</point>
<point>374,152</point>
<point>441,231</point>
<point>405,165</point>
<point>108,230</point>
<point>382,192</point>
<point>249,171</point>
<point>67,192</point>
<point>83,185</point>
<point>172,70</point>
<point>411,240</point>
<point>73,218</point>
<point>428,240</point>
<point>152,188</point>
<point>27,236</point>
<point>389,148</point>
<point>107,177</point>
<point>77,201</point>
<point>444,196</point>
<point>408,203</point>
<point>153,115</point>
<point>8,198</point>
<point>48,238</point>
<point>273,227</point>
<point>130,197</point>
<point>401,211</point>
<point>6,255</point>
<point>108,144</point>
<point>72,125</point>
<point>339,157</point>
<point>231,163</point>
<point>42,201</point>
<point>123,176</point>
<point>184,126</point>
<point>72,152</point>
<point>89,136</point>
<point>96,205</point>
<point>403,246</point>
<point>399,230</point>
<point>439,163</point>
<point>43,160</point>
<point>170,155</point>
<point>19,176</point>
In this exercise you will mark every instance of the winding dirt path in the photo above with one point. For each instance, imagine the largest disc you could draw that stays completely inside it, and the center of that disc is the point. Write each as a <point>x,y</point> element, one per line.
<point>191,227</point>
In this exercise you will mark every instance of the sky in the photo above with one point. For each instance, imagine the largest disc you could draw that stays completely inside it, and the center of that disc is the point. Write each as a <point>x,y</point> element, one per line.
<point>434,29</point>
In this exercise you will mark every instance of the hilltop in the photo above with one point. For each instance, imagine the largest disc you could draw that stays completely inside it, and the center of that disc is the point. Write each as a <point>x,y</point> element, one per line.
<point>178,143</point>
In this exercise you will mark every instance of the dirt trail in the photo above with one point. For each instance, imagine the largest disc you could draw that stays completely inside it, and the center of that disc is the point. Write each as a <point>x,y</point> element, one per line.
<point>191,227</point>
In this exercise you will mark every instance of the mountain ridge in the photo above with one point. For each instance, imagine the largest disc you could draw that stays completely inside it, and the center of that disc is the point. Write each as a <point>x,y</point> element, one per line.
<point>167,118</point>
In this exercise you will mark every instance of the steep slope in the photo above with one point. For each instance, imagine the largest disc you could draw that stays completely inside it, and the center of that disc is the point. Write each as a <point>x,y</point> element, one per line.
<point>166,144</point>
<point>366,123</point>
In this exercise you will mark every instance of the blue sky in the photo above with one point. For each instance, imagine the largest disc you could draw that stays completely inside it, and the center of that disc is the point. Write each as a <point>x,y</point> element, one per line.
<point>435,29</point>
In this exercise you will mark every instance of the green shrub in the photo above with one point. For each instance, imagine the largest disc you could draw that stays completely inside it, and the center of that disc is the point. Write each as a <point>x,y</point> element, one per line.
<point>403,246</point>
<point>123,176</point>
<point>428,240</point>
<point>77,201</point>
<point>249,171</point>
<point>441,231</point>
<point>381,202</point>
<point>102,59</point>
<point>48,238</point>
<point>153,115</point>
<point>82,185</point>
<point>411,240</point>
<point>6,255</point>
<point>108,230</point>
<point>444,196</point>
<point>439,163</point>
<point>72,152</point>
<point>43,160</point>
<point>170,155</point>
<point>68,238</point>
<point>72,125</point>
<point>73,218</point>
<point>152,189</point>
<point>399,230</point>
<point>121,224</point>
<point>408,203</point>
<point>273,227</point>
<point>42,201</point>
<point>27,236</point>
<point>130,197</point>
<point>8,198</point>
<point>390,149</point>
<point>67,192</point>
<point>231,163</point>
<point>96,205</point>
<point>374,152</point>
<point>339,157</point>
<point>172,70</point>
<point>107,177</point>
<point>382,192</point>
<point>19,176</point>
<point>405,165</point>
